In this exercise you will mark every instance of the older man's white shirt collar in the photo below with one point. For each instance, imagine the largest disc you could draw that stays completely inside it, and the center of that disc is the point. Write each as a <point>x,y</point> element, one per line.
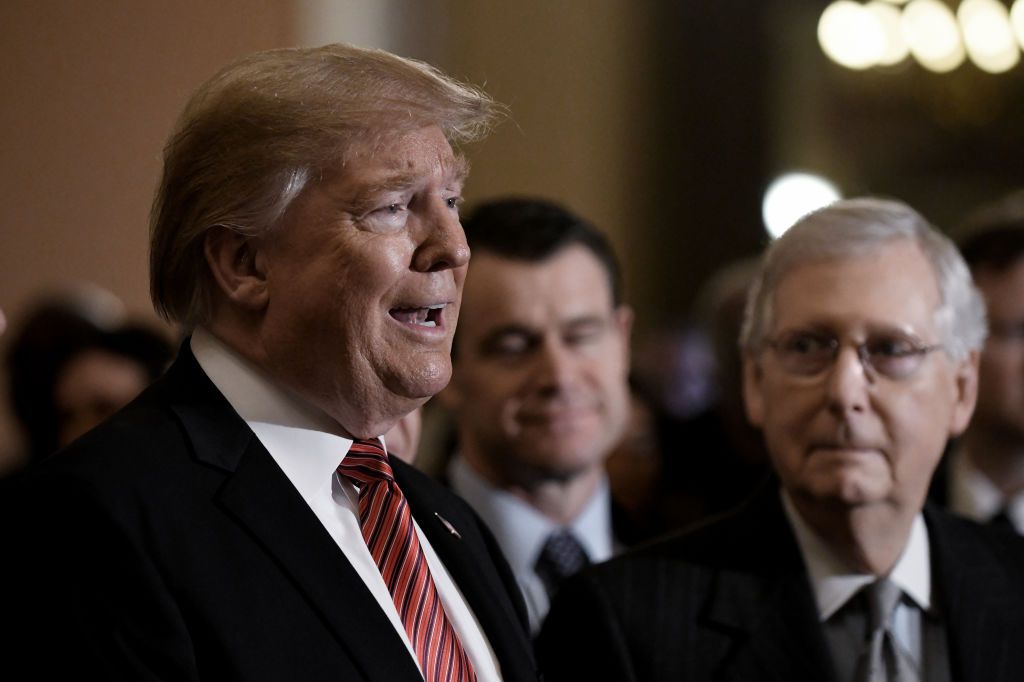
<point>834,584</point>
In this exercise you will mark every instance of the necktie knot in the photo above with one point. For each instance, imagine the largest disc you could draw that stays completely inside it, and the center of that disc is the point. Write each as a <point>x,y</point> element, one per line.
<point>561,556</point>
<point>366,462</point>
<point>883,595</point>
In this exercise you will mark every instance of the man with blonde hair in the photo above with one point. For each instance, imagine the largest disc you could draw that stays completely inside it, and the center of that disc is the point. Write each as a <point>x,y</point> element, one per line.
<point>861,341</point>
<point>242,519</point>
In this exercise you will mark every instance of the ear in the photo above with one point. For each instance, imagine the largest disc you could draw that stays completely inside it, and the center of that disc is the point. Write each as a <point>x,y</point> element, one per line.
<point>238,266</point>
<point>753,398</point>
<point>966,393</point>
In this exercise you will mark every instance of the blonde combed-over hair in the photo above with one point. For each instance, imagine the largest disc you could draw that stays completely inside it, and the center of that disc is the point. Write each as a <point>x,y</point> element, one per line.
<point>257,133</point>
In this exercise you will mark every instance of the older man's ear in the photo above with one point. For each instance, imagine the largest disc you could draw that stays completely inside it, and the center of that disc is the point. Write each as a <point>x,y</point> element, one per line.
<point>238,266</point>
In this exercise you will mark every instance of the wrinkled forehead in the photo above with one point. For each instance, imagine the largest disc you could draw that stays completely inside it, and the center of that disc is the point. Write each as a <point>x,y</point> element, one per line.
<point>891,286</point>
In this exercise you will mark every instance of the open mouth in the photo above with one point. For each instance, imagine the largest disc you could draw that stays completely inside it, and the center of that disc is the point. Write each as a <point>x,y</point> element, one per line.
<point>427,316</point>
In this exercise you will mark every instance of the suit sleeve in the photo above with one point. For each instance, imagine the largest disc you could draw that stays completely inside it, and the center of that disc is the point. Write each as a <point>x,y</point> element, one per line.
<point>91,602</point>
<point>582,638</point>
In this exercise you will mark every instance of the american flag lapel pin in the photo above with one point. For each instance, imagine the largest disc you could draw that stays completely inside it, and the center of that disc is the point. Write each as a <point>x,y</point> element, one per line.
<point>448,525</point>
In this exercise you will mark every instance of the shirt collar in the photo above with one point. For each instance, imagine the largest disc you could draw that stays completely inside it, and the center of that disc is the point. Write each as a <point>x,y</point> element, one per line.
<point>303,441</point>
<point>973,494</point>
<point>833,582</point>
<point>520,529</point>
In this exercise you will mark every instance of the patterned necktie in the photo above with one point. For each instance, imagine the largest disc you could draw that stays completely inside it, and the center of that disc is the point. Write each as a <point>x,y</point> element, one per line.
<point>389,533</point>
<point>561,557</point>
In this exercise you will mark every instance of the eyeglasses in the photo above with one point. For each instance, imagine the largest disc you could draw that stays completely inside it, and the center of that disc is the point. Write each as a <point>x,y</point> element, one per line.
<point>808,353</point>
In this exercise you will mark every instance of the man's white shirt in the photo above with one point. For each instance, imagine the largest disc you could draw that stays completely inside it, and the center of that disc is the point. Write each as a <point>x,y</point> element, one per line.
<point>834,584</point>
<point>307,446</point>
<point>973,495</point>
<point>521,530</point>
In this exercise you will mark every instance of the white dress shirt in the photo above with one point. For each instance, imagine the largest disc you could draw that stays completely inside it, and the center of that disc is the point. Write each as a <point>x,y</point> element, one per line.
<point>834,584</point>
<point>521,530</point>
<point>973,495</point>
<point>307,446</point>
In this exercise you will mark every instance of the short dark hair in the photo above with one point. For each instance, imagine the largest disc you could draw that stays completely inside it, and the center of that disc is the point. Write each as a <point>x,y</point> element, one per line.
<point>533,230</point>
<point>992,237</point>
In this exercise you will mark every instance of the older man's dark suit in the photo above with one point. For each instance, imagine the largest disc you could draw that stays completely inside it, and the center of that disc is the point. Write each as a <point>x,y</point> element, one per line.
<point>168,544</point>
<point>732,601</point>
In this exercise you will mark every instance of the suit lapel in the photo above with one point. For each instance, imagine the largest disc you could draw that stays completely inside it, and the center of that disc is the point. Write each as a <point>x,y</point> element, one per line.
<point>982,610</point>
<point>454,537</point>
<point>263,501</point>
<point>765,608</point>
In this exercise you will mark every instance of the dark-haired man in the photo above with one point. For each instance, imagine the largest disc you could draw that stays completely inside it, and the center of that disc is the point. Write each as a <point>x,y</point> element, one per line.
<point>539,389</point>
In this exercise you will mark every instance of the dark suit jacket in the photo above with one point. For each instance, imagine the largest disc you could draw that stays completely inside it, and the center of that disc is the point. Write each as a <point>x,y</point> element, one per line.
<point>168,544</point>
<point>732,601</point>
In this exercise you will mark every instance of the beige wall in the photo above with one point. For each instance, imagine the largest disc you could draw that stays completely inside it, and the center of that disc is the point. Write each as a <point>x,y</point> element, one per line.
<point>91,90</point>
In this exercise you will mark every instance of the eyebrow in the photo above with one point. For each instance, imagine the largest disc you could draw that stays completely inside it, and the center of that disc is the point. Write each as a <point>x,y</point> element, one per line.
<point>455,174</point>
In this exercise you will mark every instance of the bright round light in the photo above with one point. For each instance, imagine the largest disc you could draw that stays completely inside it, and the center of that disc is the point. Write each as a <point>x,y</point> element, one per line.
<point>850,35</point>
<point>791,196</point>
<point>894,47</point>
<point>988,35</point>
<point>933,35</point>
<point>1017,20</point>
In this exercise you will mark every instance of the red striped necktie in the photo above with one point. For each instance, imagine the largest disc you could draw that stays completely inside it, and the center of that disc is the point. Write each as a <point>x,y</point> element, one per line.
<point>389,533</point>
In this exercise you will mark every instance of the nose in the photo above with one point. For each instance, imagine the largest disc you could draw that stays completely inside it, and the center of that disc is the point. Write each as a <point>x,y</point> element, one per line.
<point>556,367</point>
<point>847,383</point>
<point>443,245</point>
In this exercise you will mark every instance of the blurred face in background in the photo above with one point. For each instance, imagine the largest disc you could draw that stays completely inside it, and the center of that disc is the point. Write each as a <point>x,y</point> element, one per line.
<point>93,385</point>
<point>539,387</point>
<point>1001,383</point>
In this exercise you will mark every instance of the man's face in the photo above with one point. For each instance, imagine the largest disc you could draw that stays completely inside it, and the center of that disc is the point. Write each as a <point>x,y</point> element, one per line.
<point>364,278</point>
<point>539,389</point>
<point>847,434</point>
<point>1001,382</point>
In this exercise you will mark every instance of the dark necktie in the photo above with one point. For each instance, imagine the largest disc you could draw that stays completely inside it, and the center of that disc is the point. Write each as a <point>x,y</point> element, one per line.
<point>389,533</point>
<point>561,557</point>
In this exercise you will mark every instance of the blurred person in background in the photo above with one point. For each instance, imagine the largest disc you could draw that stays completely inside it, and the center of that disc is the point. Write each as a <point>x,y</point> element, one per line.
<point>43,361</point>
<point>983,477</point>
<point>539,389</point>
<point>102,375</point>
<point>242,519</point>
<point>861,341</point>
<point>714,458</point>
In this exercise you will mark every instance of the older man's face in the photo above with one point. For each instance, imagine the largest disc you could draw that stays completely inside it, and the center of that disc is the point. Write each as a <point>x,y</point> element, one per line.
<point>365,278</point>
<point>848,434</point>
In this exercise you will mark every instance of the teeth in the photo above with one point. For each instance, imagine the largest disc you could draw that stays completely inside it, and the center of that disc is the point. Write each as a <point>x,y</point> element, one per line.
<point>422,317</point>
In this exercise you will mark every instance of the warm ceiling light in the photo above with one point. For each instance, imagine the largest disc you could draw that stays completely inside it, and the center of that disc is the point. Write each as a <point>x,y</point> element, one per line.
<point>894,47</point>
<point>988,35</point>
<point>850,35</point>
<point>933,35</point>
<point>793,195</point>
<point>1017,20</point>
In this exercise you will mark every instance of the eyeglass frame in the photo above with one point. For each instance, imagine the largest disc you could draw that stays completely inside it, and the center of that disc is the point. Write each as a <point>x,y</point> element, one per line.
<point>919,350</point>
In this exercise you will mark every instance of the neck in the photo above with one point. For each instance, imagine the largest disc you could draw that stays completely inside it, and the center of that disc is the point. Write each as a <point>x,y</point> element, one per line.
<point>999,458</point>
<point>561,499</point>
<point>869,538</point>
